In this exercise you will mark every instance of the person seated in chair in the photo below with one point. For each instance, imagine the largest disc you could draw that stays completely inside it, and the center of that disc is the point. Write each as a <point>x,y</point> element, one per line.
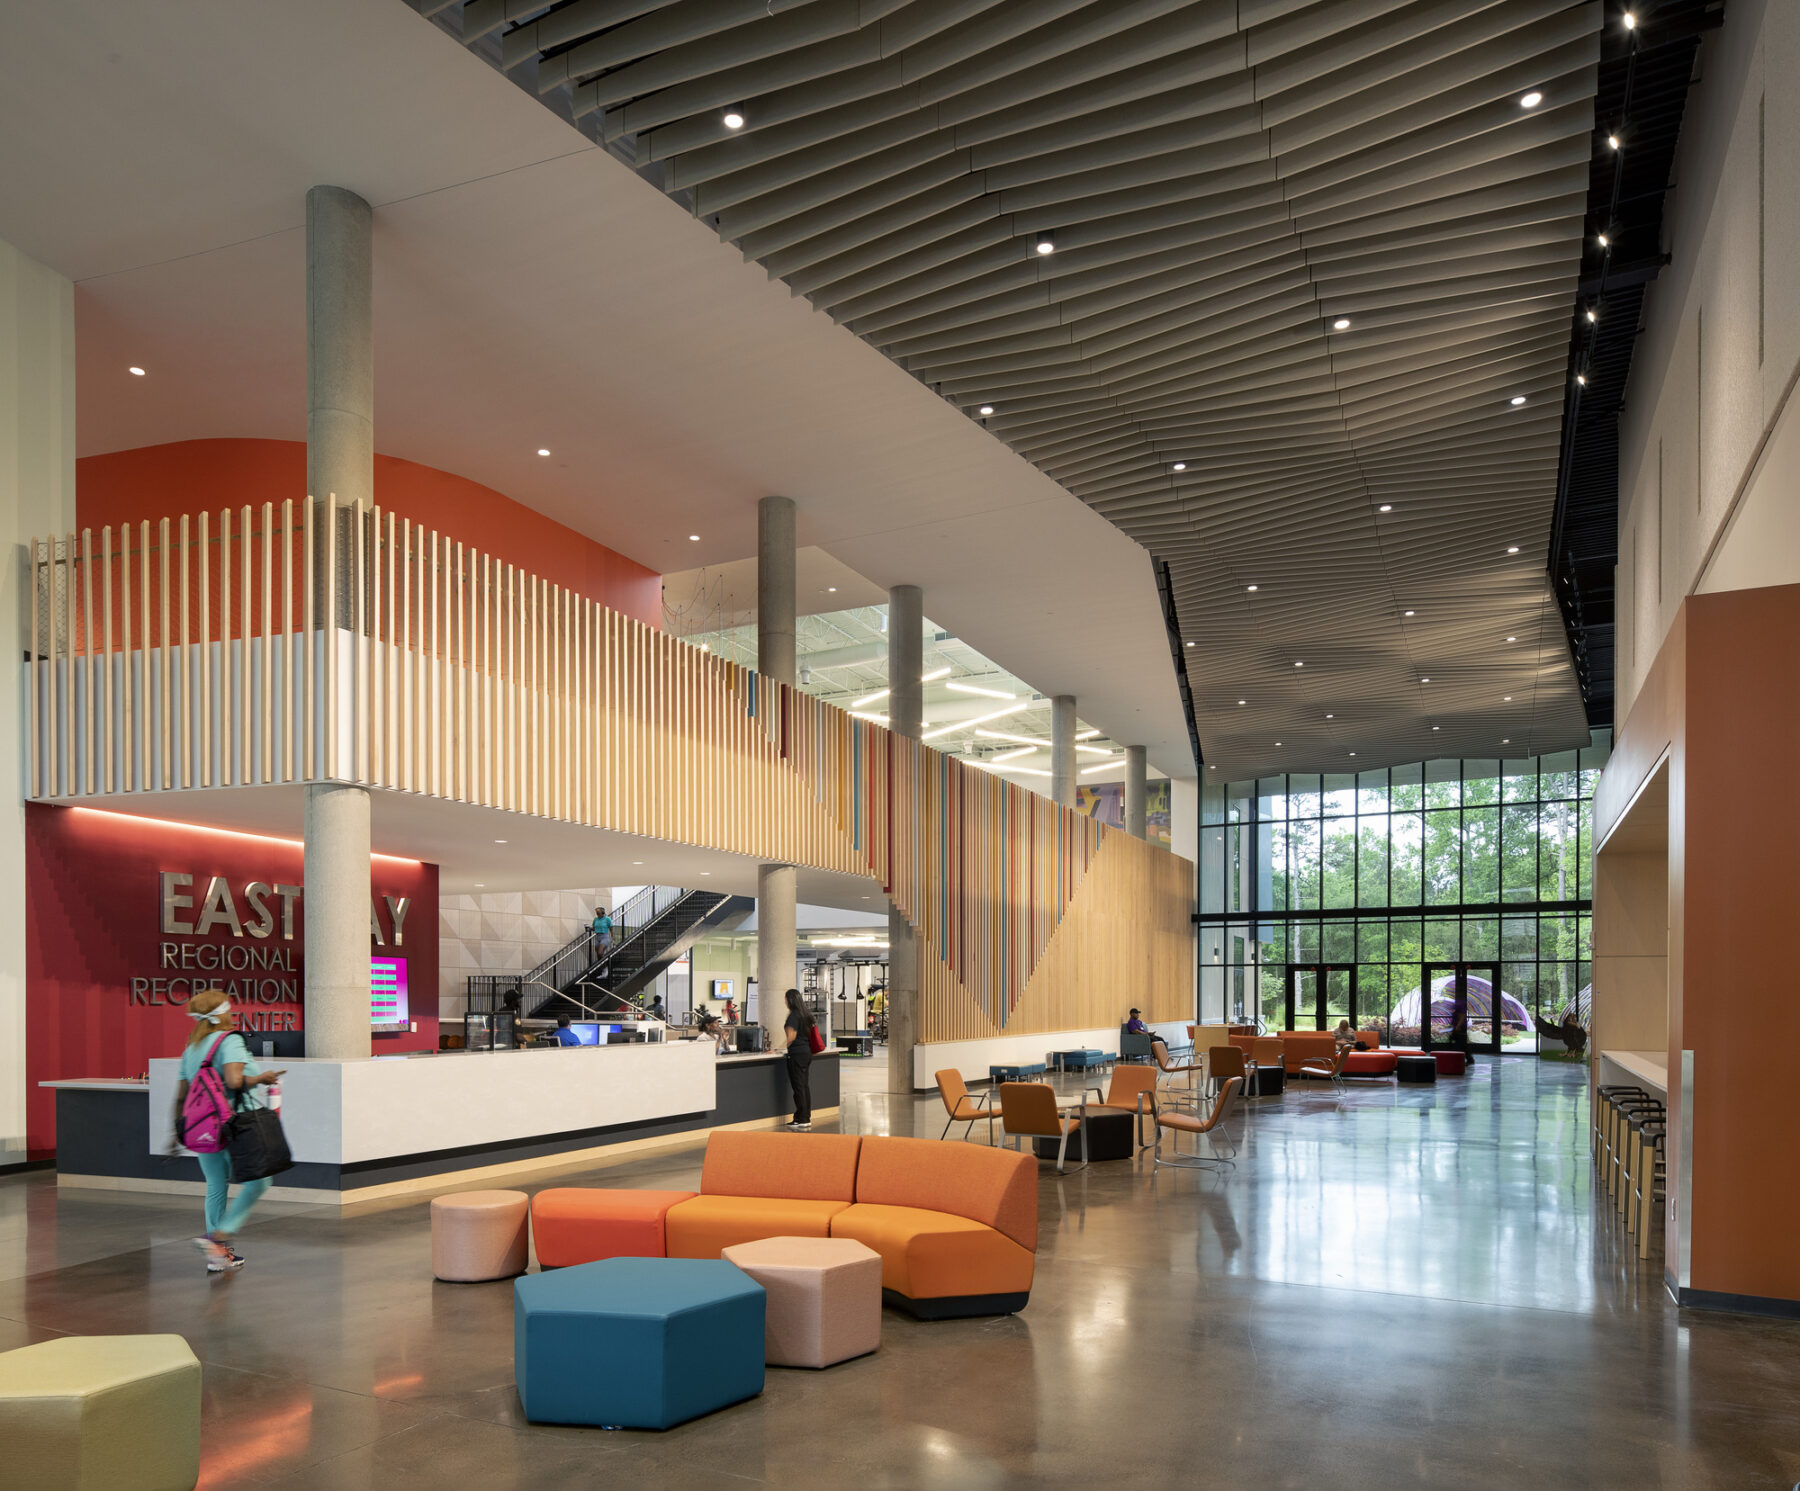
<point>1345,1035</point>
<point>562,1035</point>
<point>710,1026</point>
<point>1136,1026</point>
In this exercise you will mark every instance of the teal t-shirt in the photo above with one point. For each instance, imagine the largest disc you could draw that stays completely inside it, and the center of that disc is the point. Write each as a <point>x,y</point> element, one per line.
<point>232,1048</point>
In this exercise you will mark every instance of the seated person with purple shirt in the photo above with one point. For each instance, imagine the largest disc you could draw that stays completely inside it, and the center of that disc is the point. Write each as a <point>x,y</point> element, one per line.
<point>1137,1026</point>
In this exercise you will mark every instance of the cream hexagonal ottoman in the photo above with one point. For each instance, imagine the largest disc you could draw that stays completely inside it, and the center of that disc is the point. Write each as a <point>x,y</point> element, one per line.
<point>824,1297</point>
<point>100,1413</point>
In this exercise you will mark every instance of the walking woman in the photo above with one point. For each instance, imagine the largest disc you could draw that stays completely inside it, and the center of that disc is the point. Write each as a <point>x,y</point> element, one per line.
<point>216,1043</point>
<point>799,1029</point>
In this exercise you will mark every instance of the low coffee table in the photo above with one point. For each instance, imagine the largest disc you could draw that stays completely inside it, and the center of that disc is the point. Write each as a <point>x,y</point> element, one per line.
<point>1267,1082</point>
<point>1112,1136</point>
<point>1417,1070</point>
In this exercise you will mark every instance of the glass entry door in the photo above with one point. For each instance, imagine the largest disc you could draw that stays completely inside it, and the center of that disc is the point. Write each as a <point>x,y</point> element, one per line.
<point>1461,1007</point>
<point>1320,994</point>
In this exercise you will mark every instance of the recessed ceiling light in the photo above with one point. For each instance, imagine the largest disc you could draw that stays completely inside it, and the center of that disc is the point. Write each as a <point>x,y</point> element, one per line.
<point>1437,727</point>
<point>1516,400</point>
<point>1250,587</point>
<point>733,118</point>
<point>1593,314</point>
<point>637,861</point>
<point>542,451</point>
<point>1508,699</point>
<point>1278,742</point>
<point>1299,665</point>
<point>481,885</point>
<point>1630,21</point>
<point>1179,466</point>
<point>1408,613</point>
<point>1613,140</point>
<point>1512,639</point>
<point>693,538</point>
<point>1331,716</point>
<point>1353,753</point>
<point>987,409</point>
<point>1506,740</point>
<point>1603,240</point>
<point>831,590</point>
<point>1046,241</point>
<point>499,841</point>
<point>1341,324</point>
<point>135,372</point>
<point>1190,644</point>
<point>1531,100</point>
<point>1386,507</point>
<point>1513,550</point>
<point>1424,680</point>
<point>706,872</point>
<point>1243,701</point>
<point>1581,378</point>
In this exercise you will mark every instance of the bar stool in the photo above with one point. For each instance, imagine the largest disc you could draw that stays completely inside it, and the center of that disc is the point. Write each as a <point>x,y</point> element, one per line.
<point>1644,1164</point>
<point>1597,1119</point>
<point>1626,1108</point>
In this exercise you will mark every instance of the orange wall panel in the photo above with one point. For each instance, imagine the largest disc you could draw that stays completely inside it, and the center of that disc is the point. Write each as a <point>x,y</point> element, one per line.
<point>188,476</point>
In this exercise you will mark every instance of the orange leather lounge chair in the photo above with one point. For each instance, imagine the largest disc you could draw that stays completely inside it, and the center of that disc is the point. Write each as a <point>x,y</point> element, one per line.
<point>961,1107</point>
<point>1191,1123</point>
<point>1028,1111</point>
<point>1131,1090</point>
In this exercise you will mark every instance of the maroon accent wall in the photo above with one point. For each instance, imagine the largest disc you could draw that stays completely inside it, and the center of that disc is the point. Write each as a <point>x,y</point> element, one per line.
<point>186,476</point>
<point>93,911</point>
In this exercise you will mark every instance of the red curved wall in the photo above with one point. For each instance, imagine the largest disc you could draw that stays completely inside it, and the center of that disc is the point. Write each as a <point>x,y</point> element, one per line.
<point>186,476</point>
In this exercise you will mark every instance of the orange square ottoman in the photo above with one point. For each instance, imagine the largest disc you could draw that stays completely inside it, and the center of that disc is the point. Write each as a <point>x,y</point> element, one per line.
<point>824,1297</point>
<point>585,1224</point>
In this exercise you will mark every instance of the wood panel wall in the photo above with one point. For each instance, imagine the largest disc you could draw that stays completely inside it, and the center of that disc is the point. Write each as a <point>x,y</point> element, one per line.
<point>214,653</point>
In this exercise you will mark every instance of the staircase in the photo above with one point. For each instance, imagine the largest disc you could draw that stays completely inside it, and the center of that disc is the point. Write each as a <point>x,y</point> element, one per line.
<point>651,930</point>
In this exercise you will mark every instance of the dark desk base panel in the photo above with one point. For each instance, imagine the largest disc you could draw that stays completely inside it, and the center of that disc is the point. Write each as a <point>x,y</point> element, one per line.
<point>107,1133</point>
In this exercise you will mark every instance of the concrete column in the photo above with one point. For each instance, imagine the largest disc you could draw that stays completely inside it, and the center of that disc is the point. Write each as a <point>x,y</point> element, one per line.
<point>775,946</point>
<point>906,626</point>
<point>340,347</point>
<point>336,909</point>
<point>775,588</point>
<point>340,462</point>
<point>1062,749</point>
<point>37,499</point>
<point>1135,792</point>
<point>775,656</point>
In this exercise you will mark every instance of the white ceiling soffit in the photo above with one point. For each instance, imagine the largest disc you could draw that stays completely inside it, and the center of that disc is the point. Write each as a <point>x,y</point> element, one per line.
<point>531,291</point>
<point>1222,181</point>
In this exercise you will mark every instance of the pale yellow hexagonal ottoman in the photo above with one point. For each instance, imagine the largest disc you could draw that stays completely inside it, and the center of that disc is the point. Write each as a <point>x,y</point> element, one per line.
<point>824,1297</point>
<point>100,1413</point>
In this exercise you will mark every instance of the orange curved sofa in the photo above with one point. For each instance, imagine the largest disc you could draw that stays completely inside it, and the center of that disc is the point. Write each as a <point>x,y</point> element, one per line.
<point>955,1224</point>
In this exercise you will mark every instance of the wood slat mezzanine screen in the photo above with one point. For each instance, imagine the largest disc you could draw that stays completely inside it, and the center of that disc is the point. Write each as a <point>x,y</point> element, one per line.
<point>323,643</point>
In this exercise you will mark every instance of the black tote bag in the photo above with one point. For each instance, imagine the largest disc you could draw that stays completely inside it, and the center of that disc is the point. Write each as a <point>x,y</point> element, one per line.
<point>258,1147</point>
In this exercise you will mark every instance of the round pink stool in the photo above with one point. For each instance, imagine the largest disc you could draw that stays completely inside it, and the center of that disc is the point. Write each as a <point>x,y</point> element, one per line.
<point>480,1235</point>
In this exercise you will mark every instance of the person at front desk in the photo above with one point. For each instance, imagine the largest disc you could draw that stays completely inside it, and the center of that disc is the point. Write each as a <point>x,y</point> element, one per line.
<point>563,1036</point>
<point>710,1026</point>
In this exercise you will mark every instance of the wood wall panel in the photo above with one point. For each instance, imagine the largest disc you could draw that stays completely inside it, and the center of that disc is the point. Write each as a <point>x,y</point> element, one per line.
<point>535,699</point>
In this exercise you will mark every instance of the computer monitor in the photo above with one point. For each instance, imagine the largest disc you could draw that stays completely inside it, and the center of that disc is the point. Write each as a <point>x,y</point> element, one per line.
<point>749,1037</point>
<point>587,1032</point>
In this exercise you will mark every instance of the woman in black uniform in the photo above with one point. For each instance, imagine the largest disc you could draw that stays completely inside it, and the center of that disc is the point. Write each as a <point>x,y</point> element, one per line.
<point>799,1029</point>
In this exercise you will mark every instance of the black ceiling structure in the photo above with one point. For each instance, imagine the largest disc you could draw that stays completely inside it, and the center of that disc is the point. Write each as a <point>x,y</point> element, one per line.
<point>1645,73</point>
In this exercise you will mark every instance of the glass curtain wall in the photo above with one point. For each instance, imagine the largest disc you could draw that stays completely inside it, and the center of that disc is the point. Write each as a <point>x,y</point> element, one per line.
<point>1357,883</point>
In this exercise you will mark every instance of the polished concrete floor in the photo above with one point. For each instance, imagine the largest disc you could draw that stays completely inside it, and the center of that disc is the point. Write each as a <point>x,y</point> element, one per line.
<point>1396,1287</point>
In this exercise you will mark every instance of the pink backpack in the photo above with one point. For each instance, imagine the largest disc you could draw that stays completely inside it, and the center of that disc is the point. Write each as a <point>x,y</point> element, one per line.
<point>206,1111</point>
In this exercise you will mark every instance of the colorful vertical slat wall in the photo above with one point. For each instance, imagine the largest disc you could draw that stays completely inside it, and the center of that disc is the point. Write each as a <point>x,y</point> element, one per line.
<point>219,651</point>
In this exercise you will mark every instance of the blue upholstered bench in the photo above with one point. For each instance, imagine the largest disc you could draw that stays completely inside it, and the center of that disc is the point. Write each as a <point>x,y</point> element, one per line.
<point>1083,1061</point>
<point>1016,1073</point>
<point>637,1343</point>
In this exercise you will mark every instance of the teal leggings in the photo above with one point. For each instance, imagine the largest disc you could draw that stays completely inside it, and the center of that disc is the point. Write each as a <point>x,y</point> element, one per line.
<point>219,1217</point>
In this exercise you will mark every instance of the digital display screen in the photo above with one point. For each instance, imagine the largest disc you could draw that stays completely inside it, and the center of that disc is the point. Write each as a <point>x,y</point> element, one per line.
<point>586,1032</point>
<point>387,994</point>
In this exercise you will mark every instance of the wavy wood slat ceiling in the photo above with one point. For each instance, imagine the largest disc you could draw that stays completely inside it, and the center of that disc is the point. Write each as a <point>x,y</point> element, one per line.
<point>1224,179</point>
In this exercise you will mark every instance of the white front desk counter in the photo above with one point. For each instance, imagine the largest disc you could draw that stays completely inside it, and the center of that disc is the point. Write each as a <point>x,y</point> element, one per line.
<point>389,1124</point>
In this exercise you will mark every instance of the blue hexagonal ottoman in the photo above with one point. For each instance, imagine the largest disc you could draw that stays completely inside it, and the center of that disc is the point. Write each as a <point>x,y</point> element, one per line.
<point>637,1343</point>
